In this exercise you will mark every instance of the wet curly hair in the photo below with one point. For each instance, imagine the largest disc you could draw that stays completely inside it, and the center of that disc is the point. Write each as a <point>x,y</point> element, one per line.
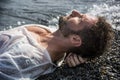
<point>95,40</point>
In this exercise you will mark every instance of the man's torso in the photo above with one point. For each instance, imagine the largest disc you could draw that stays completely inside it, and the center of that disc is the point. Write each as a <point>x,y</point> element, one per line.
<point>21,55</point>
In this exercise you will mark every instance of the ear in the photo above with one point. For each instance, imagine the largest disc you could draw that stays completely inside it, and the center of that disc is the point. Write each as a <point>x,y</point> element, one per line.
<point>75,40</point>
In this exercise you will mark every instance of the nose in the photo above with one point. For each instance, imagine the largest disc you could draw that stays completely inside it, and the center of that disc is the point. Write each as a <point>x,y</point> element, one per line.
<point>76,13</point>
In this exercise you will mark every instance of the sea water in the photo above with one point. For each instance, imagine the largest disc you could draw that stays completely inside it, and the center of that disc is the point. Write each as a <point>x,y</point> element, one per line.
<point>14,13</point>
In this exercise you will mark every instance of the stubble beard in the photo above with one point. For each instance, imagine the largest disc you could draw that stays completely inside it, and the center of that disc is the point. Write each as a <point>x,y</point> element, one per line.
<point>62,22</point>
<point>62,26</point>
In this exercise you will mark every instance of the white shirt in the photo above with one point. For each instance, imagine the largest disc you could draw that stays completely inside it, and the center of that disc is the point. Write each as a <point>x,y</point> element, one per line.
<point>21,57</point>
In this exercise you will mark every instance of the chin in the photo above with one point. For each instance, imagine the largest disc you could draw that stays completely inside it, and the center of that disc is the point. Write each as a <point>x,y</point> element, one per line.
<point>62,21</point>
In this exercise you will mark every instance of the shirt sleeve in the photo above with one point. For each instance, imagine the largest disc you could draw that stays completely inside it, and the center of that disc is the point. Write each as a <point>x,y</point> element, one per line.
<point>8,67</point>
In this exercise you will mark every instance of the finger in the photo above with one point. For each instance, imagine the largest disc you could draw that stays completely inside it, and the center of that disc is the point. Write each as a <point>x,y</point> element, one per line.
<point>76,59</point>
<point>81,59</point>
<point>69,54</point>
<point>72,61</point>
<point>68,62</point>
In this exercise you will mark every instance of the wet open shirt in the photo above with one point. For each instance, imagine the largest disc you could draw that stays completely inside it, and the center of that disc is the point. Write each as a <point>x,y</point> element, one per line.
<point>21,58</point>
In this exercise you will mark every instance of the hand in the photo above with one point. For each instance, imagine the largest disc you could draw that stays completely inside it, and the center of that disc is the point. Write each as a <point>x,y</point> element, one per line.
<point>73,60</point>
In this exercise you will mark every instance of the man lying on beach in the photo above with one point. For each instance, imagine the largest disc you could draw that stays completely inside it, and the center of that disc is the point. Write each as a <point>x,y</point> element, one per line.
<point>28,51</point>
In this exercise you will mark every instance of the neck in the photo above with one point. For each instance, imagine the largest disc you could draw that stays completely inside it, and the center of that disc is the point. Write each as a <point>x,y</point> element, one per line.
<point>56,45</point>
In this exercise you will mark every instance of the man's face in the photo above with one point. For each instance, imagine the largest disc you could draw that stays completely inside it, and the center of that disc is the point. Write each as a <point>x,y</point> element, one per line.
<point>75,22</point>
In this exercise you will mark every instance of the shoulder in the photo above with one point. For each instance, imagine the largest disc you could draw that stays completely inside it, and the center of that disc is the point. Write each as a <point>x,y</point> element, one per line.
<point>37,28</point>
